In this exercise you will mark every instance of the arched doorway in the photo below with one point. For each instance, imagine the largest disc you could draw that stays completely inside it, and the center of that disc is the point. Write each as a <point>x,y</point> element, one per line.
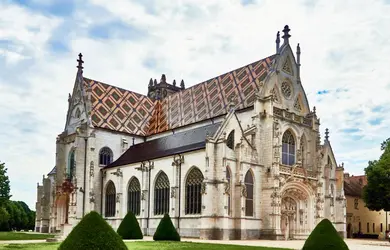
<point>297,219</point>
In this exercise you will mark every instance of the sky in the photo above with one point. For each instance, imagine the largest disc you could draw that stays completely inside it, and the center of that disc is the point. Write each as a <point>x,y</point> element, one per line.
<point>345,62</point>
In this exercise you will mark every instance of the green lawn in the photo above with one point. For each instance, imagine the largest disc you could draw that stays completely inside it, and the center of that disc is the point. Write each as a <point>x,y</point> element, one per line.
<point>23,236</point>
<point>147,245</point>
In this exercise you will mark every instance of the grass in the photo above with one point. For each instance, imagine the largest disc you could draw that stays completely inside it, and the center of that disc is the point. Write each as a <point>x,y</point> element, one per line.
<point>23,236</point>
<point>147,245</point>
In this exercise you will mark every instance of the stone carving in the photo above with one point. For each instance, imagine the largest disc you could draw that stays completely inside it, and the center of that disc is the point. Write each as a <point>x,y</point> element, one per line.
<point>143,194</point>
<point>92,169</point>
<point>173,192</point>
<point>203,188</point>
<point>227,188</point>
<point>118,172</point>
<point>243,191</point>
<point>91,196</point>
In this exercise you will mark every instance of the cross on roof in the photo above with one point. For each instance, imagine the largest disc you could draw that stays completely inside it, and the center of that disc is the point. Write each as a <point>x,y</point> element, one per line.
<point>80,61</point>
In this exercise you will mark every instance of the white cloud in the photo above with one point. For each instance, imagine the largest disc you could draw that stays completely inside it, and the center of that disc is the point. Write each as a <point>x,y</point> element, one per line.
<point>344,46</point>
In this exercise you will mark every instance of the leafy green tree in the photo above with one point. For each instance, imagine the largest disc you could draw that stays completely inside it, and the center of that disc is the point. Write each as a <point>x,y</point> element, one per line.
<point>4,185</point>
<point>4,218</point>
<point>376,194</point>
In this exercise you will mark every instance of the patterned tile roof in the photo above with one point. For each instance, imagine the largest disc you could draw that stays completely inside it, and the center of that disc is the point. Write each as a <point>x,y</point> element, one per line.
<point>353,185</point>
<point>125,111</point>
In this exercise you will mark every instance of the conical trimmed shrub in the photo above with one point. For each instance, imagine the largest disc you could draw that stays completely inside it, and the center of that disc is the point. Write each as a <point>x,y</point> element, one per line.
<point>129,228</point>
<point>325,236</point>
<point>93,233</point>
<point>166,230</point>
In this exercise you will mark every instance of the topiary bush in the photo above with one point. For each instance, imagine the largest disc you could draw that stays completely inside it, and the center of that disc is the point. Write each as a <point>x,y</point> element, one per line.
<point>93,233</point>
<point>166,230</point>
<point>325,236</point>
<point>129,228</point>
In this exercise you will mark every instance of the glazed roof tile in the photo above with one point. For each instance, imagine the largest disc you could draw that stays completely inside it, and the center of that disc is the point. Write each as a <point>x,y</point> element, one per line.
<point>125,111</point>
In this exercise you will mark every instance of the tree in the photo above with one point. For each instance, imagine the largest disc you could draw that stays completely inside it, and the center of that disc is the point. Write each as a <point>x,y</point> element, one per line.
<point>166,230</point>
<point>324,237</point>
<point>4,185</point>
<point>129,228</point>
<point>376,194</point>
<point>91,233</point>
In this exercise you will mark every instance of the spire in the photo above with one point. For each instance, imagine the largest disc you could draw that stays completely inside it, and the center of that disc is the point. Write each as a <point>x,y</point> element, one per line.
<point>174,83</point>
<point>150,82</point>
<point>286,35</point>
<point>80,61</point>
<point>298,61</point>
<point>277,42</point>
<point>182,84</point>
<point>155,82</point>
<point>326,134</point>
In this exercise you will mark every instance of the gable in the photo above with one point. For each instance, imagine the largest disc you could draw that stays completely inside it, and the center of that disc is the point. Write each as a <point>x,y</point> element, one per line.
<point>76,107</point>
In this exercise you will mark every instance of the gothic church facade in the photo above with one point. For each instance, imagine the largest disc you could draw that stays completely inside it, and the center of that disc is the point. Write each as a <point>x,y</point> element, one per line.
<point>238,156</point>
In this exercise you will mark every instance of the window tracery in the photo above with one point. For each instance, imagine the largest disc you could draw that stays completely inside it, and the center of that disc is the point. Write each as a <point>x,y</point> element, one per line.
<point>288,148</point>
<point>105,156</point>
<point>193,192</point>
<point>110,200</point>
<point>134,196</point>
<point>161,194</point>
<point>249,193</point>
<point>286,90</point>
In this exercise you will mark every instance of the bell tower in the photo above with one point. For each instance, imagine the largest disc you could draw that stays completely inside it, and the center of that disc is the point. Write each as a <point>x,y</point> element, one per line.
<point>158,91</point>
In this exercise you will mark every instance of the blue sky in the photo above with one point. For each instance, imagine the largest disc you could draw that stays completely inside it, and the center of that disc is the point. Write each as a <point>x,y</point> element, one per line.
<point>345,60</point>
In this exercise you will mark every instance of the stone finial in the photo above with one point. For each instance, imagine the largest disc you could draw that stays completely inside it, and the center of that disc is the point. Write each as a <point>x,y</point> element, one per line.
<point>314,109</point>
<point>277,42</point>
<point>69,98</point>
<point>326,134</point>
<point>286,35</point>
<point>155,82</point>
<point>298,55</point>
<point>133,141</point>
<point>174,83</point>
<point>150,82</point>
<point>182,84</point>
<point>163,79</point>
<point>80,61</point>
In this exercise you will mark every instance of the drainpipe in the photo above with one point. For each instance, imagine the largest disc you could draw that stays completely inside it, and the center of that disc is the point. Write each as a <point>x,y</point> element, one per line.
<point>85,172</point>
<point>149,194</point>
<point>101,192</point>
<point>178,217</point>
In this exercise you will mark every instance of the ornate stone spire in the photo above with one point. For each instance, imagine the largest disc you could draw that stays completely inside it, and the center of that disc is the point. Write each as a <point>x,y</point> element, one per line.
<point>326,134</point>
<point>182,84</point>
<point>163,79</point>
<point>150,82</point>
<point>174,83</point>
<point>286,35</point>
<point>80,61</point>
<point>298,61</point>
<point>277,42</point>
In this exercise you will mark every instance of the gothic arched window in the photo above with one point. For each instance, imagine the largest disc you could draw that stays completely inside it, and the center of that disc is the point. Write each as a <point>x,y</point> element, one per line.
<point>110,200</point>
<point>249,193</point>
<point>193,192</point>
<point>71,165</point>
<point>134,196</point>
<point>230,140</point>
<point>288,148</point>
<point>161,195</point>
<point>105,156</point>
<point>228,191</point>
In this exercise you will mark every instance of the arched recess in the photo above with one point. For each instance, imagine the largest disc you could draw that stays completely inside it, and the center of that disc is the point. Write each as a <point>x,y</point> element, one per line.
<point>193,192</point>
<point>228,189</point>
<point>77,113</point>
<point>105,156</point>
<point>110,201</point>
<point>249,188</point>
<point>288,148</point>
<point>161,194</point>
<point>71,167</point>
<point>134,196</point>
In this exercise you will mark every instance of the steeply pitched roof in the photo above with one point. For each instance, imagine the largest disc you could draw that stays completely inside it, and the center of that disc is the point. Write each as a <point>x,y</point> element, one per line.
<point>165,146</point>
<point>53,171</point>
<point>353,185</point>
<point>125,111</point>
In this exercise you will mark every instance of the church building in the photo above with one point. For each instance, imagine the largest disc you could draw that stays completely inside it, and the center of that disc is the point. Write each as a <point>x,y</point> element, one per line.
<point>238,156</point>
